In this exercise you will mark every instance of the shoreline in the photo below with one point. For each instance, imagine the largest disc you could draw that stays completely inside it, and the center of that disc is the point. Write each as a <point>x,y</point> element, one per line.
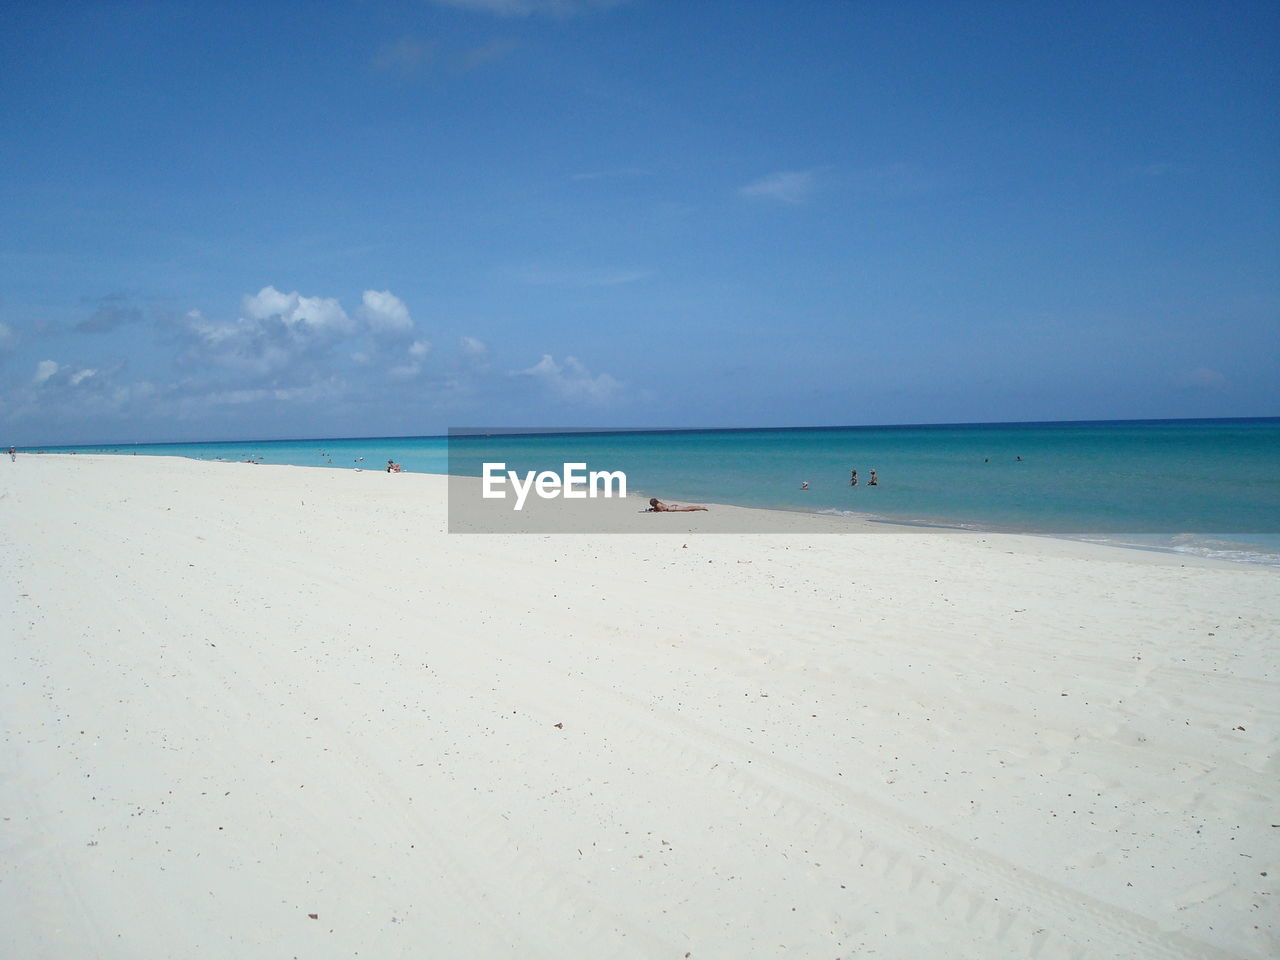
<point>1087,478</point>
<point>843,521</point>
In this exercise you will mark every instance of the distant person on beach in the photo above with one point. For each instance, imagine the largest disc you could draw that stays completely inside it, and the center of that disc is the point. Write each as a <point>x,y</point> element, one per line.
<point>853,478</point>
<point>657,506</point>
<point>13,454</point>
<point>390,466</point>
<point>873,481</point>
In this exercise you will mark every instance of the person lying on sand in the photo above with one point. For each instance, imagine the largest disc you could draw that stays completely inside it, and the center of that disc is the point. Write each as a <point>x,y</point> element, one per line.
<point>657,506</point>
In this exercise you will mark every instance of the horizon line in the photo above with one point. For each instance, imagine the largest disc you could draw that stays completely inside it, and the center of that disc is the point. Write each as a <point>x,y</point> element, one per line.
<point>610,431</point>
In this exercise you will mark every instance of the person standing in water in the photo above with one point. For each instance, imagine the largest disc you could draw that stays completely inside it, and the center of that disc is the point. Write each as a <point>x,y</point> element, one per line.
<point>853,478</point>
<point>873,481</point>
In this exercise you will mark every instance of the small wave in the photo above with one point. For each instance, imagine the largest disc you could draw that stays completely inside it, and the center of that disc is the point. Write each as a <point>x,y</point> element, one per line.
<point>1193,545</point>
<point>1234,555</point>
<point>902,521</point>
<point>847,514</point>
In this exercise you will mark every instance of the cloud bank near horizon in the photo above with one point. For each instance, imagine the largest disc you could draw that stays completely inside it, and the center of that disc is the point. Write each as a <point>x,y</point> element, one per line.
<point>281,350</point>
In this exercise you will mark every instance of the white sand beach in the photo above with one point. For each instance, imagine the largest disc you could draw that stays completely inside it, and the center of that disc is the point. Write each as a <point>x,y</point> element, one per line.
<point>256,711</point>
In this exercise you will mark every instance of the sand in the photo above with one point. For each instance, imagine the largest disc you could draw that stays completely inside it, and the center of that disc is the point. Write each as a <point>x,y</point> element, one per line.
<point>256,711</point>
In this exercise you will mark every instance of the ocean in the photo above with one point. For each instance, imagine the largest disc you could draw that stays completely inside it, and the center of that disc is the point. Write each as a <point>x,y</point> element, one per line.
<point>1205,487</point>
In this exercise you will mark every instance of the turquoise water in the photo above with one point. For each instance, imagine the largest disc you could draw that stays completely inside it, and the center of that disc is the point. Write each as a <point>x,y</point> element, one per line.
<point>1204,486</point>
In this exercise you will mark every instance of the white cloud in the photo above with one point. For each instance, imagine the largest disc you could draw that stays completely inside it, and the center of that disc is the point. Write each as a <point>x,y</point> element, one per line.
<point>113,311</point>
<point>268,302</point>
<point>300,315</point>
<point>571,380</point>
<point>52,373</point>
<point>787,186</point>
<point>489,52</point>
<point>125,393</point>
<point>473,347</point>
<point>236,397</point>
<point>210,332</point>
<point>321,315</point>
<point>275,331</point>
<point>403,57</point>
<point>548,276</point>
<point>250,345</point>
<point>412,366</point>
<point>384,312</point>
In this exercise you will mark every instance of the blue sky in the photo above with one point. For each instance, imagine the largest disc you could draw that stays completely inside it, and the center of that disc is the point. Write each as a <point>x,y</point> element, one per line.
<point>264,220</point>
